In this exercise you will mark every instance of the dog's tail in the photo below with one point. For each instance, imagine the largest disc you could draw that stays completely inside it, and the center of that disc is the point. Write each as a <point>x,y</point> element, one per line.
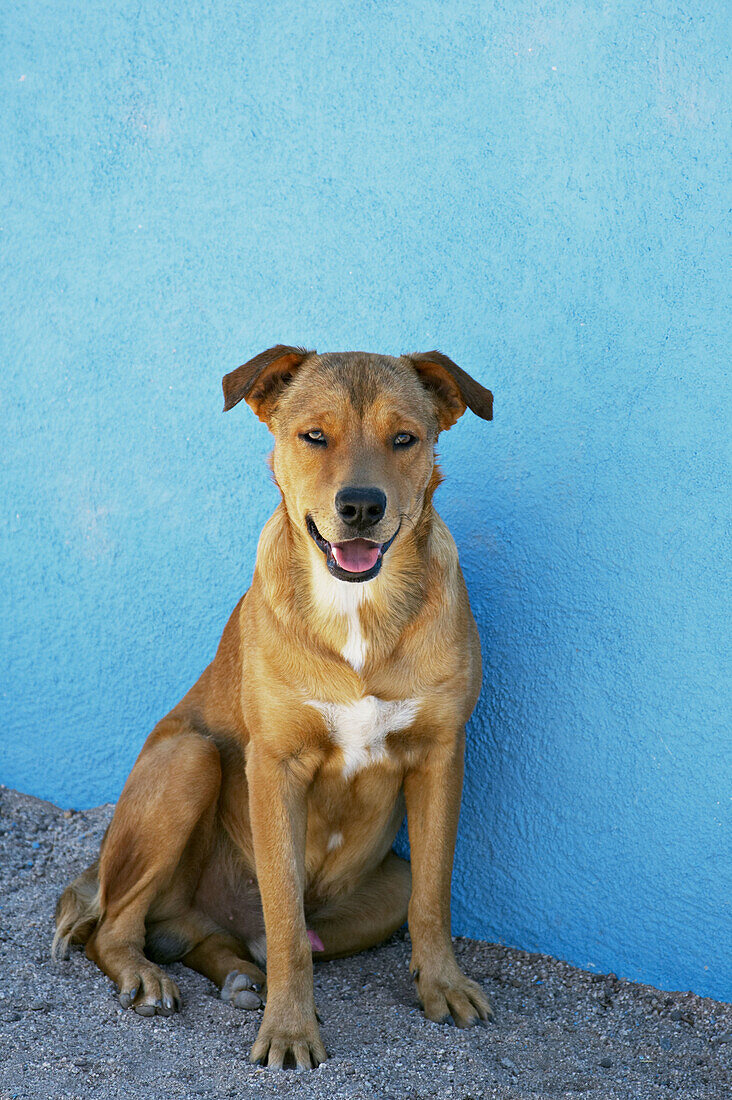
<point>77,912</point>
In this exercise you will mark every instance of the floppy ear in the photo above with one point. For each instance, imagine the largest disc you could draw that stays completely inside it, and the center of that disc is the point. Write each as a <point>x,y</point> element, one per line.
<point>261,381</point>
<point>451,387</point>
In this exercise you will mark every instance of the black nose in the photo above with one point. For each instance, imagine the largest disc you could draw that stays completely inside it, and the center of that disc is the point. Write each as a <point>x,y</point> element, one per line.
<point>360,507</point>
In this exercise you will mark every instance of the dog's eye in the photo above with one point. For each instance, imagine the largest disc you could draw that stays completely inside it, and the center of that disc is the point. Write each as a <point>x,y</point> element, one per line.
<point>315,436</point>
<point>404,439</point>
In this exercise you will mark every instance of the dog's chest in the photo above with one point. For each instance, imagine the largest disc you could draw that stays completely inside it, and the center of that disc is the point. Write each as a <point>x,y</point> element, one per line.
<point>360,729</point>
<point>340,602</point>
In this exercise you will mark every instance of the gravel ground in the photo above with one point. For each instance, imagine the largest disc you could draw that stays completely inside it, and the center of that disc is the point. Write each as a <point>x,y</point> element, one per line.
<point>559,1031</point>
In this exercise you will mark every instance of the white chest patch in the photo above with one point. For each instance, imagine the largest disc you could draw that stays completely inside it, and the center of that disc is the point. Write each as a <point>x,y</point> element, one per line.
<point>343,599</point>
<point>361,728</point>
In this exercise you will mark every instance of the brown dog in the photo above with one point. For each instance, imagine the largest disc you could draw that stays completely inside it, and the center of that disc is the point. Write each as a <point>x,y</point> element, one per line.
<point>268,799</point>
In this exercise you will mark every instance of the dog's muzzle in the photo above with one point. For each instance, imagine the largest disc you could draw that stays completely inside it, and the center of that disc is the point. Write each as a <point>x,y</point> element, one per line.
<point>353,560</point>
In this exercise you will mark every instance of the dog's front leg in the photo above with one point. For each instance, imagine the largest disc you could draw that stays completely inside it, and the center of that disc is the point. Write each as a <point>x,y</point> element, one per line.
<point>432,792</point>
<point>278,811</point>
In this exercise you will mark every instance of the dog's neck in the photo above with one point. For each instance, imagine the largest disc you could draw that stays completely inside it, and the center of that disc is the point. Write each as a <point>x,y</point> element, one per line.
<point>362,621</point>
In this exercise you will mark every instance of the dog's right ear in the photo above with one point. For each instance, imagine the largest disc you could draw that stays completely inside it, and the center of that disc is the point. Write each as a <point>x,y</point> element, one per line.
<point>261,381</point>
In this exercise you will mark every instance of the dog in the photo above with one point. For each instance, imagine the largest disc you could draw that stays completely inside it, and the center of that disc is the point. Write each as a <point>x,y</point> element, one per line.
<point>258,820</point>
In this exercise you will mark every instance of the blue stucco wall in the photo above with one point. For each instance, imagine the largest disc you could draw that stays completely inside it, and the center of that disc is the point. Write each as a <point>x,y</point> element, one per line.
<point>536,189</point>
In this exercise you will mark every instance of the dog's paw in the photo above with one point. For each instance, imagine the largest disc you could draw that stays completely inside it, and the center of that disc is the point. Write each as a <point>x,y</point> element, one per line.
<point>150,992</point>
<point>243,990</point>
<point>452,995</point>
<point>286,1042</point>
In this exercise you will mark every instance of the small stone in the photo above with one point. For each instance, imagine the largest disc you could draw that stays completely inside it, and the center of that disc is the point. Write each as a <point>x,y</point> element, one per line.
<point>68,813</point>
<point>606,1063</point>
<point>40,1006</point>
<point>507,1063</point>
<point>665,1043</point>
<point>725,1037</point>
<point>677,1014</point>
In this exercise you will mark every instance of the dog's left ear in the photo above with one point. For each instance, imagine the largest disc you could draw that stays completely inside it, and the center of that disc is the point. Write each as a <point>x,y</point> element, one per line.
<point>451,387</point>
<point>261,381</point>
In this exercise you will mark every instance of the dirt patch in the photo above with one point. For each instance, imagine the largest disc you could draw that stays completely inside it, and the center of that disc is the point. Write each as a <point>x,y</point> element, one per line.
<point>559,1031</point>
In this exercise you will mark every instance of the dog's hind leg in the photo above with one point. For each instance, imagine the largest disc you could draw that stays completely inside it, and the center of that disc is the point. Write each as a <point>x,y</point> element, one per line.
<point>366,916</point>
<point>151,858</point>
<point>220,958</point>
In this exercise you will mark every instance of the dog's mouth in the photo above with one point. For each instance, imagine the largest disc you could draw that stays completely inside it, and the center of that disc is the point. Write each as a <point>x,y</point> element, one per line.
<point>354,559</point>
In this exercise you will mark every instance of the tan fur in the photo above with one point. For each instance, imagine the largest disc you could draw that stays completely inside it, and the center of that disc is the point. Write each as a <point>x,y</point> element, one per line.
<point>269,798</point>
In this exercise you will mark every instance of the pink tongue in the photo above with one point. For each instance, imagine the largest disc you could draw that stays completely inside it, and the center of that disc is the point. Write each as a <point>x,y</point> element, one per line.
<point>357,555</point>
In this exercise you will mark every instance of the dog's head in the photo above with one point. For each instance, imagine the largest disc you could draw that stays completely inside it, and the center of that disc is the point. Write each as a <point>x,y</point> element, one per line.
<point>354,441</point>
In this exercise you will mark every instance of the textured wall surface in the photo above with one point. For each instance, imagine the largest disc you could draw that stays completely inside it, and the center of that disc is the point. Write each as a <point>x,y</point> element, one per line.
<point>536,189</point>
